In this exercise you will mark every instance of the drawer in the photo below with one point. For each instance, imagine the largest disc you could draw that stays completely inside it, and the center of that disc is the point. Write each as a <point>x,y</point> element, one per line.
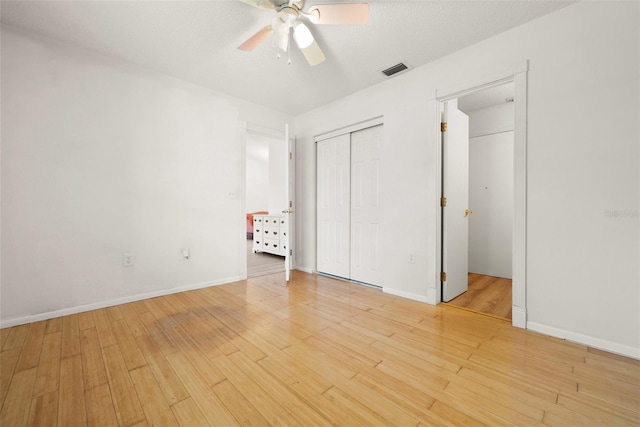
<point>257,243</point>
<point>272,232</point>
<point>272,221</point>
<point>271,245</point>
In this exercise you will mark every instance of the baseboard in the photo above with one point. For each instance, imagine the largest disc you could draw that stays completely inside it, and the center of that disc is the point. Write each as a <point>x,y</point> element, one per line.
<point>432,296</point>
<point>612,347</point>
<point>304,269</point>
<point>519,317</point>
<point>98,305</point>
<point>404,294</point>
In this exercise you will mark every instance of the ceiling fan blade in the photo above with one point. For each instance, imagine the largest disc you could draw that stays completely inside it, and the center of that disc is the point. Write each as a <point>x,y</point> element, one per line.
<point>307,44</point>
<point>256,39</point>
<point>262,4</point>
<point>313,54</point>
<point>341,13</point>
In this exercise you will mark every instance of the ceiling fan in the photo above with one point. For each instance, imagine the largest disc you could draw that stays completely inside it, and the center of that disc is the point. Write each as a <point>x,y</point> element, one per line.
<point>289,20</point>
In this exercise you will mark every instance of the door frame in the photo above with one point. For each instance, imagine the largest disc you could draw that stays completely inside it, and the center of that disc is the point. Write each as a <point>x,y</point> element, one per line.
<point>518,75</point>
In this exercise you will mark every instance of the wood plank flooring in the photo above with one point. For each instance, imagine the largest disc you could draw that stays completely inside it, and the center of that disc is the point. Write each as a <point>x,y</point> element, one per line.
<point>487,294</point>
<point>315,352</point>
<point>262,263</point>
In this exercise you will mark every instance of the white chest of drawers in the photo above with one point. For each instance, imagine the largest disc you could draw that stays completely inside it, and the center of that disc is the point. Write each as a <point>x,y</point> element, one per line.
<point>270,234</point>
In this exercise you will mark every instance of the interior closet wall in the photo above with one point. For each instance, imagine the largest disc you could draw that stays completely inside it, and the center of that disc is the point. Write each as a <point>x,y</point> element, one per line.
<point>348,204</point>
<point>491,190</point>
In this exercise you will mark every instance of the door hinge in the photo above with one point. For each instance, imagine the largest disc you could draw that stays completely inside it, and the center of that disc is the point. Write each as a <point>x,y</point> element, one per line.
<point>443,126</point>
<point>290,252</point>
<point>443,201</point>
<point>290,155</point>
<point>443,277</point>
<point>290,203</point>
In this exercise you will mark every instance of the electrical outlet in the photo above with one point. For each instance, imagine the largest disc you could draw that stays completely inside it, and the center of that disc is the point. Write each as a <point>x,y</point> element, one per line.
<point>128,259</point>
<point>412,257</point>
<point>231,195</point>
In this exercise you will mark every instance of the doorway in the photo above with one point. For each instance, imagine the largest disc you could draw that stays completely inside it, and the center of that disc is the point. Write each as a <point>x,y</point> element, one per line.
<point>267,202</point>
<point>518,77</point>
<point>490,201</point>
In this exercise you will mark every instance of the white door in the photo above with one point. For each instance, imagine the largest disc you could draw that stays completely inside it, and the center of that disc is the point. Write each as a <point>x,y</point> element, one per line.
<point>491,198</point>
<point>365,205</point>
<point>333,205</point>
<point>455,215</point>
<point>287,241</point>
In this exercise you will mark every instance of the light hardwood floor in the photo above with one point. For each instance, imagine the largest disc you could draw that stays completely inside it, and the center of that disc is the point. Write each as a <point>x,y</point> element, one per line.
<point>487,294</point>
<point>317,351</point>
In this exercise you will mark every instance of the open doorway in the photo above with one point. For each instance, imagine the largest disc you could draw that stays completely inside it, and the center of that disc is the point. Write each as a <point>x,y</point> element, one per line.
<point>266,181</point>
<point>487,220</point>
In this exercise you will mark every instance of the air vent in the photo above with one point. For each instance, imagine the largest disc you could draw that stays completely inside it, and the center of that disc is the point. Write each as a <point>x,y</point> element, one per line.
<point>395,69</point>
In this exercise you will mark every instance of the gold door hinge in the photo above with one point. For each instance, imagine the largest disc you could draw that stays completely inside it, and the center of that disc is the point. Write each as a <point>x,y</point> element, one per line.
<point>443,201</point>
<point>443,277</point>
<point>443,127</point>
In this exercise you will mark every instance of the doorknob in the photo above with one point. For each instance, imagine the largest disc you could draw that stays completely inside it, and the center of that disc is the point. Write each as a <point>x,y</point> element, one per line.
<point>287,211</point>
<point>467,212</point>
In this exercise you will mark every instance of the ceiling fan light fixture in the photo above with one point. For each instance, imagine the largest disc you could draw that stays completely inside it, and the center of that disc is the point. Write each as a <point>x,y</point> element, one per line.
<point>287,20</point>
<point>281,41</point>
<point>302,35</point>
<point>281,33</point>
<point>288,15</point>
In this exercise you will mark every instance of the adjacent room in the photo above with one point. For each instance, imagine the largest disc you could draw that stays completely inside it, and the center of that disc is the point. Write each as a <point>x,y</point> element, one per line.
<point>340,212</point>
<point>266,198</point>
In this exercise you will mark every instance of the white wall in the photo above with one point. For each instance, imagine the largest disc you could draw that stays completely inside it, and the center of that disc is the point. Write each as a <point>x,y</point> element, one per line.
<point>278,158</point>
<point>102,157</point>
<point>266,174</point>
<point>583,161</point>
<point>490,120</point>
<point>491,190</point>
<point>257,173</point>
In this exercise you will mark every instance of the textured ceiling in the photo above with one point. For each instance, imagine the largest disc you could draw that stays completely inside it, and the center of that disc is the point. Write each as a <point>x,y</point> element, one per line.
<point>196,41</point>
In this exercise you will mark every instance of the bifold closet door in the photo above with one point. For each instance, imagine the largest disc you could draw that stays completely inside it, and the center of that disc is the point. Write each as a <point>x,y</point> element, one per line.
<point>333,205</point>
<point>348,203</point>
<point>365,205</point>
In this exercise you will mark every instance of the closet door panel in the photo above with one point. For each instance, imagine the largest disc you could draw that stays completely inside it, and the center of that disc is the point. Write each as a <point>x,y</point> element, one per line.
<point>333,204</point>
<point>365,205</point>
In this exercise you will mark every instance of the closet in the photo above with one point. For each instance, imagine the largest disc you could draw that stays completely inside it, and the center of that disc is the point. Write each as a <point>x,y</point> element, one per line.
<point>348,205</point>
